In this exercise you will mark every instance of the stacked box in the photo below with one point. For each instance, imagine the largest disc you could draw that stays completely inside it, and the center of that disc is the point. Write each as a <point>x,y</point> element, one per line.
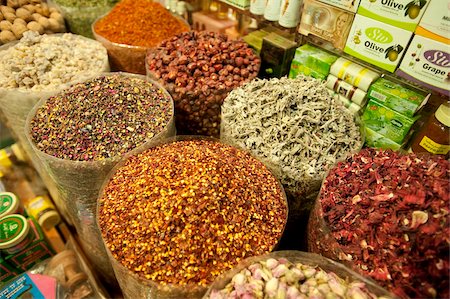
<point>276,56</point>
<point>311,61</point>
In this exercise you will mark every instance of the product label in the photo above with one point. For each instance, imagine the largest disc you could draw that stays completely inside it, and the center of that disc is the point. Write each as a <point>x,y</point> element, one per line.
<point>32,255</point>
<point>435,23</point>
<point>349,5</point>
<point>403,14</point>
<point>19,287</point>
<point>378,43</point>
<point>37,205</point>
<point>6,202</point>
<point>434,147</point>
<point>10,228</point>
<point>427,61</point>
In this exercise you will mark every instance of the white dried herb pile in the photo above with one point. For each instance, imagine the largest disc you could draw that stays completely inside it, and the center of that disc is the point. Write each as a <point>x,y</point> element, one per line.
<point>294,126</point>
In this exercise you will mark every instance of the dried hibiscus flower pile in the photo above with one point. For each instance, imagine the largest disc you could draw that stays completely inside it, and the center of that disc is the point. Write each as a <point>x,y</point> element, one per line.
<point>387,215</point>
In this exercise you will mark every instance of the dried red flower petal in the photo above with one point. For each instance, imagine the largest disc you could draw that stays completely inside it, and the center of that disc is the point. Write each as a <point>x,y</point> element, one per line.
<point>387,215</point>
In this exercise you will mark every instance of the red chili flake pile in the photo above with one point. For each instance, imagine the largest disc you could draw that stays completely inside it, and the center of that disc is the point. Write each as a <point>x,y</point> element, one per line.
<point>139,23</point>
<point>184,212</point>
<point>389,214</point>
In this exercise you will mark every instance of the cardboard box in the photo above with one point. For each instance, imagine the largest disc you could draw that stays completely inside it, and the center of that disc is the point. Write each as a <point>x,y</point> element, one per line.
<point>376,140</point>
<point>435,23</point>
<point>387,122</point>
<point>242,4</point>
<point>397,97</point>
<point>378,43</point>
<point>404,14</point>
<point>7,271</point>
<point>325,21</point>
<point>34,253</point>
<point>276,56</point>
<point>349,5</point>
<point>255,39</point>
<point>311,61</point>
<point>428,63</point>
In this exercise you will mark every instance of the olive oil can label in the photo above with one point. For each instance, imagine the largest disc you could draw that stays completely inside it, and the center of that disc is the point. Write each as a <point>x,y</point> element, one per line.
<point>428,63</point>
<point>435,23</point>
<point>404,14</point>
<point>349,5</point>
<point>378,43</point>
<point>10,228</point>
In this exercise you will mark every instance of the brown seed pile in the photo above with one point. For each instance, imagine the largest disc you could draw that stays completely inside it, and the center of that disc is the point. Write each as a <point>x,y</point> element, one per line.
<point>184,212</point>
<point>199,69</point>
<point>101,118</point>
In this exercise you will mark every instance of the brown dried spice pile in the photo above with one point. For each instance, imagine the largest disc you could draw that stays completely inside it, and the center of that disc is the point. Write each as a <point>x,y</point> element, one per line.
<point>101,118</point>
<point>184,212</point>
<point>389,214</point>
<point>294,125</point>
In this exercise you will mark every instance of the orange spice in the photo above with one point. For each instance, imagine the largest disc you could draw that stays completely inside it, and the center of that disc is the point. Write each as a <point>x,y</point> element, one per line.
<point>139,23</point>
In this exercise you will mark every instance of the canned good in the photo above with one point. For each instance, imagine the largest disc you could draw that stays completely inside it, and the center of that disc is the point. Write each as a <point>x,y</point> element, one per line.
<point>15,233</point>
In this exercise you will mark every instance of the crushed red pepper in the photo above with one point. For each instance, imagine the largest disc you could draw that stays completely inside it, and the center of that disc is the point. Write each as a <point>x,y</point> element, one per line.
<point>387,215</point>
<point>139,23</point>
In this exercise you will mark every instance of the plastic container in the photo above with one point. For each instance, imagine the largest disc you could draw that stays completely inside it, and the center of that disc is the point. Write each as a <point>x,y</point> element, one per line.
<point>78,185</point>
<point>15,104</point>
<point>79,19</point>
<point>41,208</point>
<point>305,258</point>
<point>122,57</point>
<point>134,286</point>
<point>9,204</point>
<point>15,233</point>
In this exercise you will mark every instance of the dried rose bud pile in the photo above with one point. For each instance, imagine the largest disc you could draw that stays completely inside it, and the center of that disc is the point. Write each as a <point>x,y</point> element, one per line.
<point>199,69</point>
<point>389,214</point>
<point>295,126</point>
<point>280,279</point>
<point>101,118</point>
<point>184,212</point>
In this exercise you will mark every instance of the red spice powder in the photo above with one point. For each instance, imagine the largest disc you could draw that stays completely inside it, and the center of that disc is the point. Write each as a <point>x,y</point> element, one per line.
<point>139,23</point>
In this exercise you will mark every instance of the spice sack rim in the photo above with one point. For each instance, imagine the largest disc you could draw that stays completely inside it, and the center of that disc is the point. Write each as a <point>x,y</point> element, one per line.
<point>117,157</point>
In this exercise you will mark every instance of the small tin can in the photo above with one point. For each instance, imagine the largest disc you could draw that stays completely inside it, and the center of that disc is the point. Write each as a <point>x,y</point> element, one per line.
<point>15,233</point>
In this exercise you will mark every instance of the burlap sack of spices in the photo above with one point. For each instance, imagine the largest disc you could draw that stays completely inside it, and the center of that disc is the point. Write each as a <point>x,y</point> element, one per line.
<point>292,274</point>
<point>385,215</point>
<point>80,133</point>
<point>31,55</point>
<point>175,216</point>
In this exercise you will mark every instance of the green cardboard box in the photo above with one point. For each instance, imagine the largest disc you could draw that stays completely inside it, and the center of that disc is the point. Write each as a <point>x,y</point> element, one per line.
<point>397,97</point>
<point>255,39</point>
<point>315,61</point>
<point>7,271</point>
<point>387,122</point>
<point>276,56</point>
<point>376,140</point>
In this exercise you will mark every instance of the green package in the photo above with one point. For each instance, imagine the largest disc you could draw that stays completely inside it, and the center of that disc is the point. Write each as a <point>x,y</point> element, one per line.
<point>397,97</point>
<point>7,271</point>
<point>300,69</point>
<point>387,122</point>
<point>255,39</point>
<point>375,140</point>
<point>315,61</point>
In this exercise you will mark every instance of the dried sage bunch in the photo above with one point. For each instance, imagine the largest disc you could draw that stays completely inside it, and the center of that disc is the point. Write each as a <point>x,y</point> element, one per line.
<point>294,126</point>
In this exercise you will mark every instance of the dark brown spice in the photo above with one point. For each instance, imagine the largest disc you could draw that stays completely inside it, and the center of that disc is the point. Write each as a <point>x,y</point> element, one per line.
<point>184,212</point>
<point>199,69</point>
<point>387,215</point>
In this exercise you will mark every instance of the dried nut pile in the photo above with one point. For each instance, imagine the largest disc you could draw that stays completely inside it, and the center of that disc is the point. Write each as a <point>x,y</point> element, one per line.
<point>292,124</point>
<point>187,211</point>
<point>199,69</point>
<point>281,279</point>
<point>45,62</point>
<point>389,215</point>
<point>101,118</point>
<point>19,16</point>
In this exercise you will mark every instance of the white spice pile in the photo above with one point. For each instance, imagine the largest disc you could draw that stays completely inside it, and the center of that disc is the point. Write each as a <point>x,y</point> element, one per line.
<point>294,126</point>
<point>45,62</point>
